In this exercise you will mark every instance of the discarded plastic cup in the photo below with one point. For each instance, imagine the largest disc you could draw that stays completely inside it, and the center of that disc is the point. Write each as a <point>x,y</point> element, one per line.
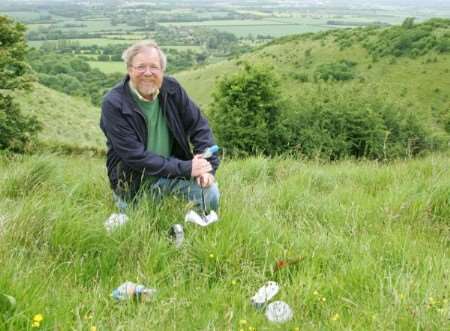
<point>177,234</point>
<point>265,294</point>
<point>193,217</point>
<point>114,221</point>
<point>279,312</point>
<point>132,291</point>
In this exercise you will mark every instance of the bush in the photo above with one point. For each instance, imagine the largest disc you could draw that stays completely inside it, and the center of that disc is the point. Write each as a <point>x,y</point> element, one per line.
<point>339,71</point>
<point>411,39</point>
<point>246,110</point>
<point>16,129</point>
<point>334,125</point>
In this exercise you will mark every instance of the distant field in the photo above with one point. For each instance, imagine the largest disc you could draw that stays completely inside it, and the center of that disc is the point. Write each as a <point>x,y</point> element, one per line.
<point>273,27</point>
<point>94,26</point>
<point>23,15</point>
<point>36,26</point>
<point>131,36</point>
<point>272,30</point>
<point>222,23</point>
<point>184,48</point>
<point>84,42</point>
<point>108,67</point>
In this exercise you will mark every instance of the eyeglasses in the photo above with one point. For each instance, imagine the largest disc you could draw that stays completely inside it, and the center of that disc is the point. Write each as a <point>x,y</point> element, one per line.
<point>142,68</point>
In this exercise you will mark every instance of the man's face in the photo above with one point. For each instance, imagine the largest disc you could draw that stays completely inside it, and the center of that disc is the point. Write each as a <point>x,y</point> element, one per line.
<point>145,72</point>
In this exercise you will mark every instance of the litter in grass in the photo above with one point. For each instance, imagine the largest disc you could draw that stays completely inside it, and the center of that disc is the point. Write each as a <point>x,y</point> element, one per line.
<point>114,221</point>
<point>279,312</point>
<point>283,263</point>
<point>177,234</point>
<point>132,291</point>
<point>193,217</point>
<point>265,294</point>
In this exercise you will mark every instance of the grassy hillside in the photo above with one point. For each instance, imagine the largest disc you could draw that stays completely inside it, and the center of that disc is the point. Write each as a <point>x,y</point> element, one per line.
<point>66,120</point>
<point>373,241</point>
<point>419,81</point>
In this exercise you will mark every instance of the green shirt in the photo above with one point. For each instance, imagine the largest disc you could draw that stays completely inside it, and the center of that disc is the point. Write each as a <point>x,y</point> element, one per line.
<point>159,139</point>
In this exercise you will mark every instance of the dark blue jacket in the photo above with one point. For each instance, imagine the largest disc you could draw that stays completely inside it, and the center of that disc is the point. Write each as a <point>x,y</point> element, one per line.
<point>124,125</point>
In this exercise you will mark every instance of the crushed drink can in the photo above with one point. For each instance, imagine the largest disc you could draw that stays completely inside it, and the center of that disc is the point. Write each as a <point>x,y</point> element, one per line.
<point>265,294</point>
<point>177,234</point>
<point>279,312</point>
<point>132,291</point>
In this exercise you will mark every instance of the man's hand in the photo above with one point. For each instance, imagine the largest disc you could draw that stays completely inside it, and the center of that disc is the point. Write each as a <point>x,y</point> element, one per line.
<point>200,166</point>
<point>205,180</point>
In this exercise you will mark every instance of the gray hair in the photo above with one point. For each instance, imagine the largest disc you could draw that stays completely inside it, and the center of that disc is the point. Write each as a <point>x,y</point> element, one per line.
<point>129,54</point>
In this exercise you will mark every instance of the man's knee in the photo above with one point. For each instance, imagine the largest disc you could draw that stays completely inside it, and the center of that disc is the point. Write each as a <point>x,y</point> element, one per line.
<point>212,196</point>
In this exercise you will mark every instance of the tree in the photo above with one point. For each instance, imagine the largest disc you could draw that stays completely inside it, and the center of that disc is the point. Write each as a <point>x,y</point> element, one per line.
<point>408,23</point>
<point>245,113</point>
<point>16,129</point>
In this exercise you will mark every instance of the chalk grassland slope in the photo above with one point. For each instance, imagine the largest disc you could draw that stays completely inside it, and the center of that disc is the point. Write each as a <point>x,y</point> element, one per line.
<point>372,240</point>
<point>66,120</point>
<point>420,82</point>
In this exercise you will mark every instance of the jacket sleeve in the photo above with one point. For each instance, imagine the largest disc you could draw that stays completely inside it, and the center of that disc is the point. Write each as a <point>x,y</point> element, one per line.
<point>197,127</point>
<point>132,152</point>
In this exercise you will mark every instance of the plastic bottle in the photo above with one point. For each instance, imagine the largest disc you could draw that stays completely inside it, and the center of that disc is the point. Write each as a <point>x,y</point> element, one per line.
<point>132,291</point>
<point>210,151</point>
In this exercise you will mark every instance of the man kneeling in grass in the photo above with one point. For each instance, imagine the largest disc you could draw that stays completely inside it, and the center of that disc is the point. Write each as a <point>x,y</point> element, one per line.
<point>150,124</point>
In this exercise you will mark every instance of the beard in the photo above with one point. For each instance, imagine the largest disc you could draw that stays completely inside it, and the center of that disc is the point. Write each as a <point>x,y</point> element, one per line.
<point>147,88</point>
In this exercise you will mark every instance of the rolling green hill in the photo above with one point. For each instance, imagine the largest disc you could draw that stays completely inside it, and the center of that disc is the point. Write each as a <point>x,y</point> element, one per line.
<point>409,66</point>
<point>66,120</point>
<point>417,77</point>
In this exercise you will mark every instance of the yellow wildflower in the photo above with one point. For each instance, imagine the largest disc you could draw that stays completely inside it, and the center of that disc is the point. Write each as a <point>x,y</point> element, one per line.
<point>35,324</point>
<point>38,318</point>
<point>335,317</point>
<point>211,256</point>
<point>242,322</point>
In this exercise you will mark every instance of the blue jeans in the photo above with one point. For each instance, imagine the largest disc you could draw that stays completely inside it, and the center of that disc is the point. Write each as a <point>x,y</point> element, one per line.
<point>206,199</point>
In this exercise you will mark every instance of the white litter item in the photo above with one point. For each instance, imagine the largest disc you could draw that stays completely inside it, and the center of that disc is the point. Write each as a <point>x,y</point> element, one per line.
<point>193,217</point>
<point>279,312</point>
<point>115,220</point>
<point>133,291</point>
<point>177,234</point>
<point>265,294</point>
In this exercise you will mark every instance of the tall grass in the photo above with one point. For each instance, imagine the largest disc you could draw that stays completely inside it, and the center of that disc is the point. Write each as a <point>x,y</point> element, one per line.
<point>373,240</point>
